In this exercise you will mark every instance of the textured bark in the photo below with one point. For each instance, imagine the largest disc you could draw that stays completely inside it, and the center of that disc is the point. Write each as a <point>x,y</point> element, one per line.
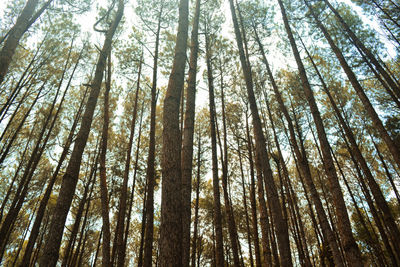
<point>219,250</point>
<point>75,228</point>
<point>262,155</point>
<point>352,252</point>
<point>171,195</point>
<point>187,143</point>
<point>70,178</point>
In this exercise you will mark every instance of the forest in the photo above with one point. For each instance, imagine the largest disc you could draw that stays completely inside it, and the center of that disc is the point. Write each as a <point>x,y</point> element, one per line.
<point>200,133</point>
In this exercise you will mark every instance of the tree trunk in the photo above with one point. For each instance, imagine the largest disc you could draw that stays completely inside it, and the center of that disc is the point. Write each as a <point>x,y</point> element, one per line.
<point>393,148</point>
<point>219,250</point>
<point>171,196</point>
<point>150,171</point>
<point>352,252</point>
<point>187,144</point>
<point>70,178</point>
<point>22,24</point>
<point>196,206</point>
<point>262,155</point>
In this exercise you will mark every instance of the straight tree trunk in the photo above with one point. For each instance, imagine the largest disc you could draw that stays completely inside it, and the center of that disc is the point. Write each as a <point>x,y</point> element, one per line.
<point>22,24</point>
<point>352,252</point>
<point>196,206</point>
<point>70,178</point>
<point>124,191</point>
<point>150,171</point>
<point>303,163</point>
<point>103,172</point>
<point>224,162</point>
<point>246,207</point>
<point>264,220</point>
<point>262,155</point>
<point>46,197</point>
<point>187,144</point>
<point>366,51</point>
<point>393,148</point>
<point>373,185</point>
<point>219,249</point>
<point>171,196</point>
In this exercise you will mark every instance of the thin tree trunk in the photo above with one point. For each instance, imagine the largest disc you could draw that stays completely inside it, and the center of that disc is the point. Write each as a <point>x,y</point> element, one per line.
<point>187,144</point>
<point>352,252</point>
<point>262,155</point>
<point>245,206</point>
<point>366,51</point>
<point>219,250</point>
<point>150,171</point>
<point>22,24</point>
<point>103,172</point>
<point>393,148</point>
<point>196,206</point>
<point>124,191</point>
<point>70,178</point>
<point>264,221</point>
<point>373,185</point>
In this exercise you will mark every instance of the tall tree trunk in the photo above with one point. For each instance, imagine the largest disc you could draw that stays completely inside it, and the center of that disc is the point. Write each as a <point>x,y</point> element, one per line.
<point>393,148</point>
<point>224,162</point>
<point>132,195</point>
<point>262,155</point>
<point>219,250</point>
<point>24,21</point>
<point>171,196</point>
<point>373,185</point>
<point>150,171</point>
<point>103,172</point>
<point>366,51</point>
<point>70,178</point>
<point>124,191</point>
<point>187,144</point>
<point>46,197</point>
<point>303,162</point>
<point>352,252</point>
<point>264,220</point>
<point>246,207</point>
<point>196,206</point>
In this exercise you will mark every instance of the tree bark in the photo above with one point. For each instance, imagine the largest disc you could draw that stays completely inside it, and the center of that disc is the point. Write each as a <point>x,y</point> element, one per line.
<point>171,196</point>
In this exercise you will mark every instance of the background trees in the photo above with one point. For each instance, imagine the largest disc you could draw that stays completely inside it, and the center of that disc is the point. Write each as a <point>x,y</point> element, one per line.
<point>277,144</point>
